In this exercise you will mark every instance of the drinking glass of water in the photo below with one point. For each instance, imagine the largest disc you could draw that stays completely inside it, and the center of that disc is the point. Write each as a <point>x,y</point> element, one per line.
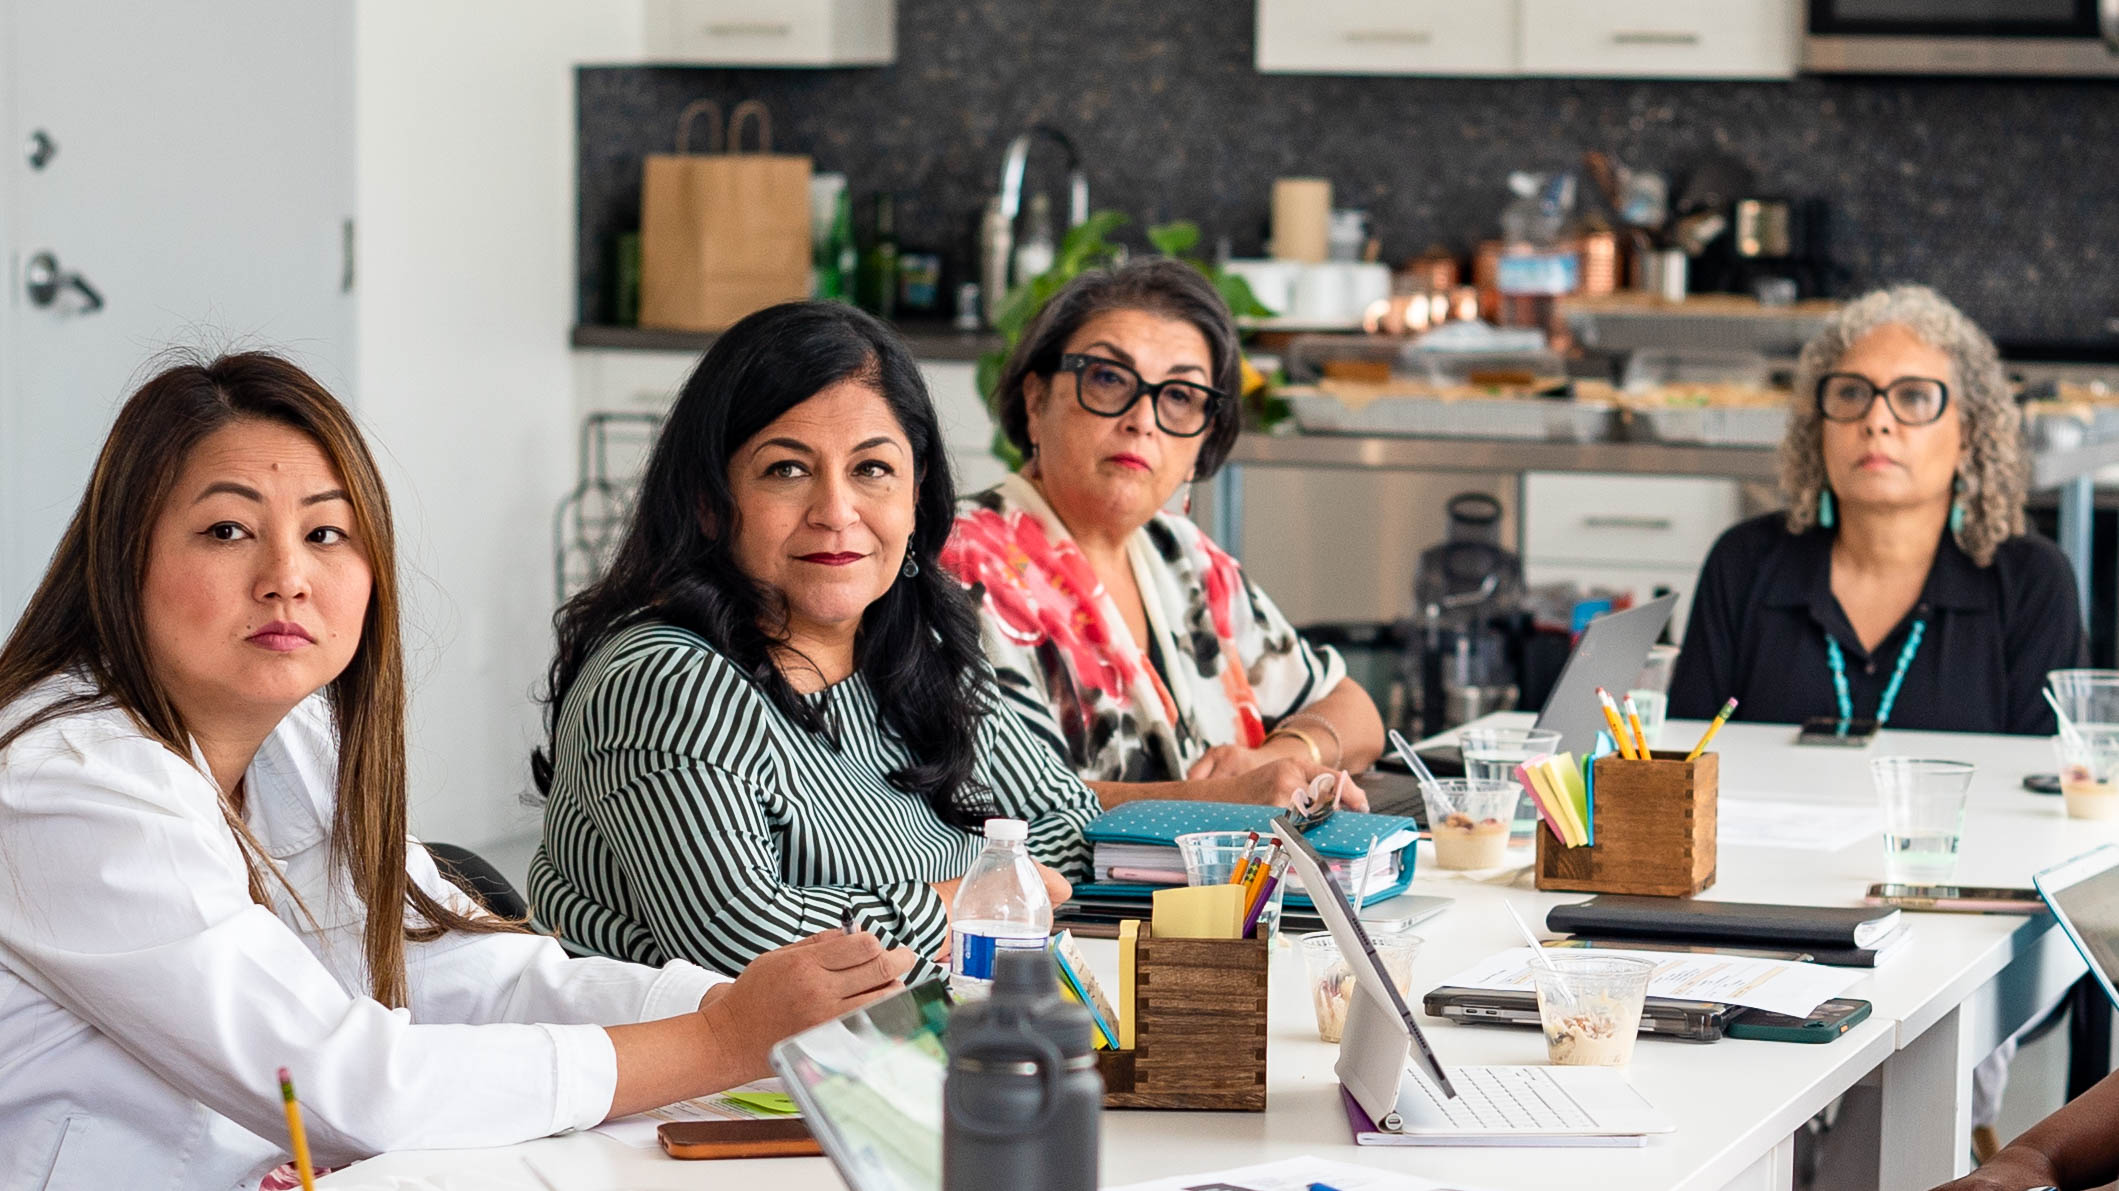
<point>1492,754</point>
<point>1923,809</point>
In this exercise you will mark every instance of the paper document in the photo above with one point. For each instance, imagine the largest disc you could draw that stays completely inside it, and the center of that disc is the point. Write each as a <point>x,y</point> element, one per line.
<point>1295,1174</point>
<point>1801,826</point>
<point>761,1100</point>
<point>1770,984</point>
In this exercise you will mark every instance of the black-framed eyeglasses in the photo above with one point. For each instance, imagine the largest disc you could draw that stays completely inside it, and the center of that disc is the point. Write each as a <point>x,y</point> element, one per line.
<point>1108,388</point>
<point>1913,400</point>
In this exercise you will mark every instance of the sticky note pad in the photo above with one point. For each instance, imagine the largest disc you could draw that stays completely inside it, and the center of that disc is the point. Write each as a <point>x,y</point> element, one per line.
<point>778,1104</point>
<point>1199,912</point>
<point>1128,951</point>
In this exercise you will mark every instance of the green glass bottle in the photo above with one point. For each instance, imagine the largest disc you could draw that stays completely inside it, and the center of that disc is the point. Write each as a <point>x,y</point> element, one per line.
<point>878,290</point>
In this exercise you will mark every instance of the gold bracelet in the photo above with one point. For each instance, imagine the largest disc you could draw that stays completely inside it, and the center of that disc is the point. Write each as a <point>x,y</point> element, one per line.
<point>1316,757</point>
<point>1337,744</point>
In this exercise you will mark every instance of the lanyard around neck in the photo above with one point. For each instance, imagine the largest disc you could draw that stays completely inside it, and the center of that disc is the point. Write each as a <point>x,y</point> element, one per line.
<point>1838,662</point>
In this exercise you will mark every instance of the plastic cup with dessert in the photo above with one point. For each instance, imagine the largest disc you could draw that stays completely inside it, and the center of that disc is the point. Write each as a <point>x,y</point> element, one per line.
<point>1590,1006</point>
<point>1469,818</point>
<point>1332,980</point>
<point>2089,770</point>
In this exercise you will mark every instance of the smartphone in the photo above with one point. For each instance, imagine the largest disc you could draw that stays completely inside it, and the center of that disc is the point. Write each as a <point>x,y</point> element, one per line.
<point>781,1137</point>
<point>1792,957</point>
<point>1826,1022</point>
<point>1959,899</point>
<point>1826,729</point>
<point>2042,783</point>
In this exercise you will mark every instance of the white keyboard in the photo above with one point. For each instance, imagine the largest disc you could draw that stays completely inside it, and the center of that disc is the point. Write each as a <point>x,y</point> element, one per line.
<point>1501,1099</point>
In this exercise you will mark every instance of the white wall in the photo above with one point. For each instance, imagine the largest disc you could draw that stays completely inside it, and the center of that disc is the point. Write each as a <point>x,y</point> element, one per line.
<point>466,198</point>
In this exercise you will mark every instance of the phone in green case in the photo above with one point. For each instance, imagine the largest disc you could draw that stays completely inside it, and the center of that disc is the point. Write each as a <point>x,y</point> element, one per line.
<point>1826,1022</point>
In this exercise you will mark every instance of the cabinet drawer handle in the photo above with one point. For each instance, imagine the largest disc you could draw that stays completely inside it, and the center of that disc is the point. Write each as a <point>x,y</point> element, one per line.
<point>750,29</point>
<point>1629,523</point>
<point>1389,36</point>
<point>1655,37</point>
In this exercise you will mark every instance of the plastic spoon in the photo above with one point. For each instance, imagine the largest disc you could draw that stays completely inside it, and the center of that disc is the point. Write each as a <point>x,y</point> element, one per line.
<point>1538,954</point>
<point>2067,726</point>
<point>1420,770</point>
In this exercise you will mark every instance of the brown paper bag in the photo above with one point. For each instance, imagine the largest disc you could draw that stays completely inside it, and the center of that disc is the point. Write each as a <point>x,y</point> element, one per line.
<point>722,234</point>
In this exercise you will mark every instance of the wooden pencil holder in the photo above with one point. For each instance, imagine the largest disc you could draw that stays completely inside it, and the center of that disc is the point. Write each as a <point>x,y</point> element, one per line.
<point>1654,830</point>
<point>1200,1037</point>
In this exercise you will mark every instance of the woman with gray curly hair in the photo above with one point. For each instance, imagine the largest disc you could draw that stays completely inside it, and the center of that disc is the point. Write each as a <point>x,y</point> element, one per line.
<point>1899,584</point>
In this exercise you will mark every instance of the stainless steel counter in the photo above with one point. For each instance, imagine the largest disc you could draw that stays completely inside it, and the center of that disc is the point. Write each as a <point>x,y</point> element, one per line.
<point>2071,471</point>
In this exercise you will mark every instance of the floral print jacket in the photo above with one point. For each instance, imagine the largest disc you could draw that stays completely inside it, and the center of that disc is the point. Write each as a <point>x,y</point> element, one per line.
<point>1222,667</point>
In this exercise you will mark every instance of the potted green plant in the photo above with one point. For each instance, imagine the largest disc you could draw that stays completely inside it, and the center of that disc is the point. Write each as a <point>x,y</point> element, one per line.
<point>1089,246</point>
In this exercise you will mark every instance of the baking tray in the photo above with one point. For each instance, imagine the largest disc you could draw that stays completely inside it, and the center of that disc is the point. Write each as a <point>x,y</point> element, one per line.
<point>1708,425</point>
<point>1537,419</point>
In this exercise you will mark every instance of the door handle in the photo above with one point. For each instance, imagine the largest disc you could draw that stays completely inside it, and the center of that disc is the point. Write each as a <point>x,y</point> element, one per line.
<point>43,280</point>
<point>1654,523</point>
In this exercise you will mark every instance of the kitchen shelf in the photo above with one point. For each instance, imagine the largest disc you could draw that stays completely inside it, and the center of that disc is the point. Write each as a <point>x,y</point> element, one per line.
<point>930,339</point>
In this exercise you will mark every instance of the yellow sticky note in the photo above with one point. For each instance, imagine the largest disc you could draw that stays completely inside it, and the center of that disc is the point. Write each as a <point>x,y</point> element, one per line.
<point>1199,912</point>
<point>1128,949</point>
<point>1554,787</point>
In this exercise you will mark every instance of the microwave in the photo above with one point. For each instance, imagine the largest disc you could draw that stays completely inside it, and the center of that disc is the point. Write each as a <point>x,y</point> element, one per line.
<point>1973,37</point>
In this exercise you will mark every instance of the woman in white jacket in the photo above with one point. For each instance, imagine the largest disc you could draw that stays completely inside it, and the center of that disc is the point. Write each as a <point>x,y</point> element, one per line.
<point>204,870</point>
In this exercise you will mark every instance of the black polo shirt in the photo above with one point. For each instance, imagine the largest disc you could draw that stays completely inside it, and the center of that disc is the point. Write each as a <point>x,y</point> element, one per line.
<point>1765,604</point>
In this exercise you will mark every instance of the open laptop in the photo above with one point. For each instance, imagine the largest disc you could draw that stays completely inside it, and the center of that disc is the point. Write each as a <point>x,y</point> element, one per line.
<point>869,1084</point>
<point>1386,1065</point>
<point>1609,654</point>
<point>2084,896</point>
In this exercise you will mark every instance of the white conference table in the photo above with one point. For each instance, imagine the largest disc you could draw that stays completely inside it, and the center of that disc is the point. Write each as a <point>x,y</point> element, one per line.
<point>1958,985</point>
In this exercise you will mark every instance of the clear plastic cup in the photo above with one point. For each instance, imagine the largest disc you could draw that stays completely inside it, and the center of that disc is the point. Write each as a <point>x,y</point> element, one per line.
<point>2087,696</point>
<point>1652,707</point>
<point>1332,981</point>
<point>1590,1006</point>
<point>1211,857</point>
<point>1656,671</point>
<point>1923,809</point>
<point>2089,770</point>
<point>1469,818</point>
<point>1495,752</point>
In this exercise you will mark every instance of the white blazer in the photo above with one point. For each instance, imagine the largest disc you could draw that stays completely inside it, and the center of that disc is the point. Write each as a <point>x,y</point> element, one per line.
<point>146,1001</point>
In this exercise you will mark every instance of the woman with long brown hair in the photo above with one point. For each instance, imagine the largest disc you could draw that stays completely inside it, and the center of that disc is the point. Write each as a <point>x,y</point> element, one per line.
<point>202,827</point>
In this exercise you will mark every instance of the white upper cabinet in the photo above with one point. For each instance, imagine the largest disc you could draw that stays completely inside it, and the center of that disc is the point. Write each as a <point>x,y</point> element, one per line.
<point>1661,38</point>
<point>1584,38</point>
<point>772,32</point>
<point>1459,37</point>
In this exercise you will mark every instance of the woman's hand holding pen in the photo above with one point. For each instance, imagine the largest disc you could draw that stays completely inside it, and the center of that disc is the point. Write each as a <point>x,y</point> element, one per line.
<point>792,988</point>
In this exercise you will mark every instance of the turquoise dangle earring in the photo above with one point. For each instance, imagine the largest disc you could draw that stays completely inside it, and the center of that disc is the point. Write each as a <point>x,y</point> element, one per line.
<point>1957,506</point>
<point>1825,513</point>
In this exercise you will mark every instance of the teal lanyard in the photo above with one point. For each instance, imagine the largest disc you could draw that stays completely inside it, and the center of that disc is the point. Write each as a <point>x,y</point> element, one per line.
<point>1838,661</point>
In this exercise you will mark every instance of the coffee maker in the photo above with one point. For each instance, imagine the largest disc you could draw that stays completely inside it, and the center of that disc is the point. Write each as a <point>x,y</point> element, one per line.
<point>1465,646</point>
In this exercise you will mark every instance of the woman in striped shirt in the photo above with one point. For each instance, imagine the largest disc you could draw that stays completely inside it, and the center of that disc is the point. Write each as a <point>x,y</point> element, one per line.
<point>772,712</point>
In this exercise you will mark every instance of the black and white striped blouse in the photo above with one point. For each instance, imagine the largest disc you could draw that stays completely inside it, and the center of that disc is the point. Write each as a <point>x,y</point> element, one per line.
<point>689,819</point>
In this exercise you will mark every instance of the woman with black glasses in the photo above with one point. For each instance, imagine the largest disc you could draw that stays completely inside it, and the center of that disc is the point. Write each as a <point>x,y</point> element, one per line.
<point>1120,633</point>
<point>1899,585</point>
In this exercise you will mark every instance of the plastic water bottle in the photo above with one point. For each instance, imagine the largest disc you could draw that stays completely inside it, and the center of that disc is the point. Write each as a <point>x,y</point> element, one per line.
<point>1001,906</point>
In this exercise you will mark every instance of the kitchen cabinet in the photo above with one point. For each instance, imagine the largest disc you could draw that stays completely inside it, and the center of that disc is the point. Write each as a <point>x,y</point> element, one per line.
<point>1446,37</point>
<point>1583,38</point>
<point>772,32</point>
<point>1660,38</point>
<point>1625,533</point>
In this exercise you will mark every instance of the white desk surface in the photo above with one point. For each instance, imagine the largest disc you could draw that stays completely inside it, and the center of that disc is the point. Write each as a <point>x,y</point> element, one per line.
<point>1734,1102</point>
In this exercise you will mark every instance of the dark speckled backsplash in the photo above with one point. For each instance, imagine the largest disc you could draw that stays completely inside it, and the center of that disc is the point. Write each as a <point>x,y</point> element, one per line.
<point>2003,194</point>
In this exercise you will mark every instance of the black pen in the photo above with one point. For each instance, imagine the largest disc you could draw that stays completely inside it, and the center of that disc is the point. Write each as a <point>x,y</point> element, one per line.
<point>846,920</point>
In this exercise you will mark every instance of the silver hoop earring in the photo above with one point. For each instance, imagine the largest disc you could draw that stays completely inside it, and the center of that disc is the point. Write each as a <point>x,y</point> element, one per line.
<point>911,569</point>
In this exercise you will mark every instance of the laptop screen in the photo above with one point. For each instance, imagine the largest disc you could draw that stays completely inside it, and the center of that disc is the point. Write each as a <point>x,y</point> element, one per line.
<point>2084,896</point>
<point>870,1088</point>
<point>1609,654</point>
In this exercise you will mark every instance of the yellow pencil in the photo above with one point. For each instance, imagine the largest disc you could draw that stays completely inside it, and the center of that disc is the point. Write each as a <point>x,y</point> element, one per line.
<point>1633,717</point>
<point>1728,709</point>
<point>1618,730</point>
<point>294,1131</point>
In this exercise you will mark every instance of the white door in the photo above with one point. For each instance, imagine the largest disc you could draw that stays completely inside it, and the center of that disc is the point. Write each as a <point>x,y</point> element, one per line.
<point>197,173</point>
